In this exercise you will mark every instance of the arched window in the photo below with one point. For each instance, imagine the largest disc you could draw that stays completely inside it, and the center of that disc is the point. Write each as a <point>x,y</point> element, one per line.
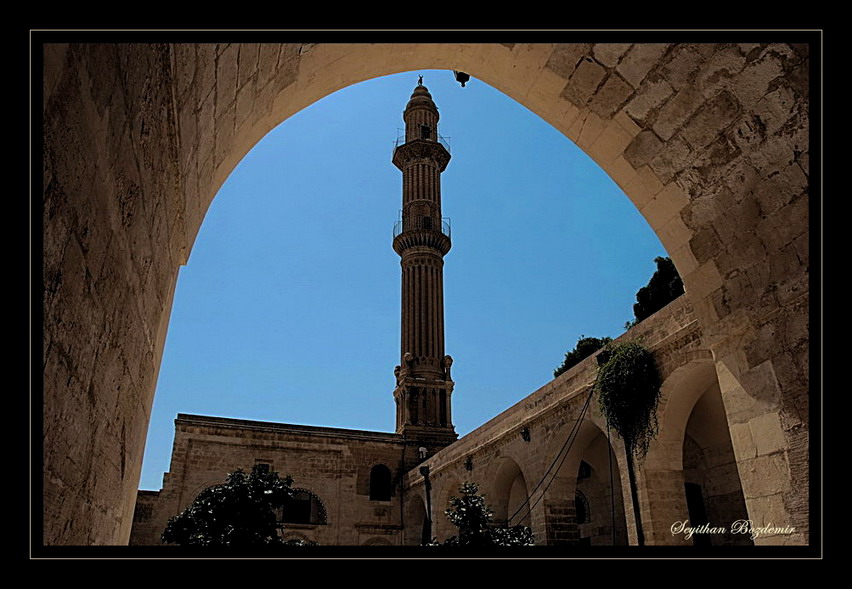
<point>581,508</point>
<point>380,483</point>
<point>303,508</point>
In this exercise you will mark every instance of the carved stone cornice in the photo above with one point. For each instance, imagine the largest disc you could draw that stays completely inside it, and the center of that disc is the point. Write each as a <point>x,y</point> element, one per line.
<point>422,238</point>
<point>421,150</point>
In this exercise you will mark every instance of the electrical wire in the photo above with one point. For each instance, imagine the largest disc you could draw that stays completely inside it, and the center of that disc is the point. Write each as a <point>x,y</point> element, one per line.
<point>611,487</point>
<point>563,452</point>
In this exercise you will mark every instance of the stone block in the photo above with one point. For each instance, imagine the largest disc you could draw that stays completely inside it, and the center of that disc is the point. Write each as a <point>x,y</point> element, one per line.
<point>753,82</point>
<point>566,57</point>
<point>719,70</point>
<point>783,190</point>
<point>185,61</point>
<point>711,120</point>
<point>544,94</point>
<point>783,264</point>
<point>590,128</point>
<point>767,475</point>
<point>206,126</point>
<point>244,104</point>
<point>55,58</point>
<point>684,60</point>
<point>677,111</point>
<point>639,60</point>
<point>734,224</point>
<point>247,60</point>
<point>674,234</point>
<point>702,281</point>
<point>748,132</point>
<point>784,225</point>
<point>741,178</point>
<point>226,78</point>
<point>567,117</point>
<point>674,157</point>
<point>793,287</point>
<point>773,155</point>
<point>705,244</point>
<point>801,244</point>
<point>644,147</point>
<point>611,96</point>
<point>627,123</point>
<point>225,133</point>
<point>267,62</point>
<point>621,171</point>
<point>766,510</point>
<point>205,70</point>
<point>288,71</point>
<point>669,202</point>
<point>683,260</point>
<point>649,97</point>
<point>610,143</point>
<point>609,53</point>
<point>188,122</point>
<point>742,442</point>
<point>643,187</point>
<point>761,386</point>
<point>767,433</point>
<point>584,81</point>
<point>776,108</point>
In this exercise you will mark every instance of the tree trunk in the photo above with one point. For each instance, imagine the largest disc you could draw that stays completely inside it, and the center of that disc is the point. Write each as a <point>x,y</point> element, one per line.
<point>634,495</point>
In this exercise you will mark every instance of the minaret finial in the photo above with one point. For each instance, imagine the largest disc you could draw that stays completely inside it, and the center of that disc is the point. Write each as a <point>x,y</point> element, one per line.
<point>420,81</point>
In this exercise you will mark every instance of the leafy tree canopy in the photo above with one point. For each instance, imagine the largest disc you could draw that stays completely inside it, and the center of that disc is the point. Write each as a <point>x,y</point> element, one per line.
<point>629,387</point>
<point>664,287</point>
<point>472,517</point>
<point>239,513</point>
<point>586,346</point>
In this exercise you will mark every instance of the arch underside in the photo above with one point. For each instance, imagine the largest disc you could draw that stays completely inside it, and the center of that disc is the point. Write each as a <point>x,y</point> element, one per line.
<point>709,141</point>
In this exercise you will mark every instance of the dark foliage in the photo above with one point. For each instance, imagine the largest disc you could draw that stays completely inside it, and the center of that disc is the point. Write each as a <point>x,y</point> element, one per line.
<point>586,346</point>
<point>629,387</point>
<point>664,287</point>
<point>239,513</point>
<point>472,517</point>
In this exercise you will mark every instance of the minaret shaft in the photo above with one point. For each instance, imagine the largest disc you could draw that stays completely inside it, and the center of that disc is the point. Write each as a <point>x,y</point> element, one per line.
<point>424,385</point>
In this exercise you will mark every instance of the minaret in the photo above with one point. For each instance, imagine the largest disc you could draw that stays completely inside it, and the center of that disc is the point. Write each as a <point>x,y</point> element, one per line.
<point>422,238</point>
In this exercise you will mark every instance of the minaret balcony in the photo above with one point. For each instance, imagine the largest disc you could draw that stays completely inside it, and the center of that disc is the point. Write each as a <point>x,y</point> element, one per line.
<point>409,233</point>
<point>421,149</point>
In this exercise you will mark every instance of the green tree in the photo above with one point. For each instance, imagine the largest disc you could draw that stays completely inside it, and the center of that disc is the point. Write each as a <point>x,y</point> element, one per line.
<point>239,513</point>
<point>472,517</point>
<point>664,287</point>
<point>586,346</point>
<point>628,385</point>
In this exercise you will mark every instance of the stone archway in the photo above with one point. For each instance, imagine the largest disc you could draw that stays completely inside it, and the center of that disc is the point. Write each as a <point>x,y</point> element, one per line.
<point>690,472</point>
<point>510,497</point>
<point>443,489</point>
<point>588,483</point>
<point>708,141</point>
<point>415,521</point>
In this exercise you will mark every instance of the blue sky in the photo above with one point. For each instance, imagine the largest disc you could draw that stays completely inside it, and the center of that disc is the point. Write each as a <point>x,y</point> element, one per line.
<point>288,309</point>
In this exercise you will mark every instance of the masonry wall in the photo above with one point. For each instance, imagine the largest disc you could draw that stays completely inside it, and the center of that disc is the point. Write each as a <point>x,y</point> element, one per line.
<point>549,415</point>
<point>332,464</point>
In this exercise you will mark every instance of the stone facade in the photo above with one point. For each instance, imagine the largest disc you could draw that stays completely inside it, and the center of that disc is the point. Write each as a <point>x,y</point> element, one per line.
<point>708,140</point>
<point>545,462</point>
<point>333,465</point>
